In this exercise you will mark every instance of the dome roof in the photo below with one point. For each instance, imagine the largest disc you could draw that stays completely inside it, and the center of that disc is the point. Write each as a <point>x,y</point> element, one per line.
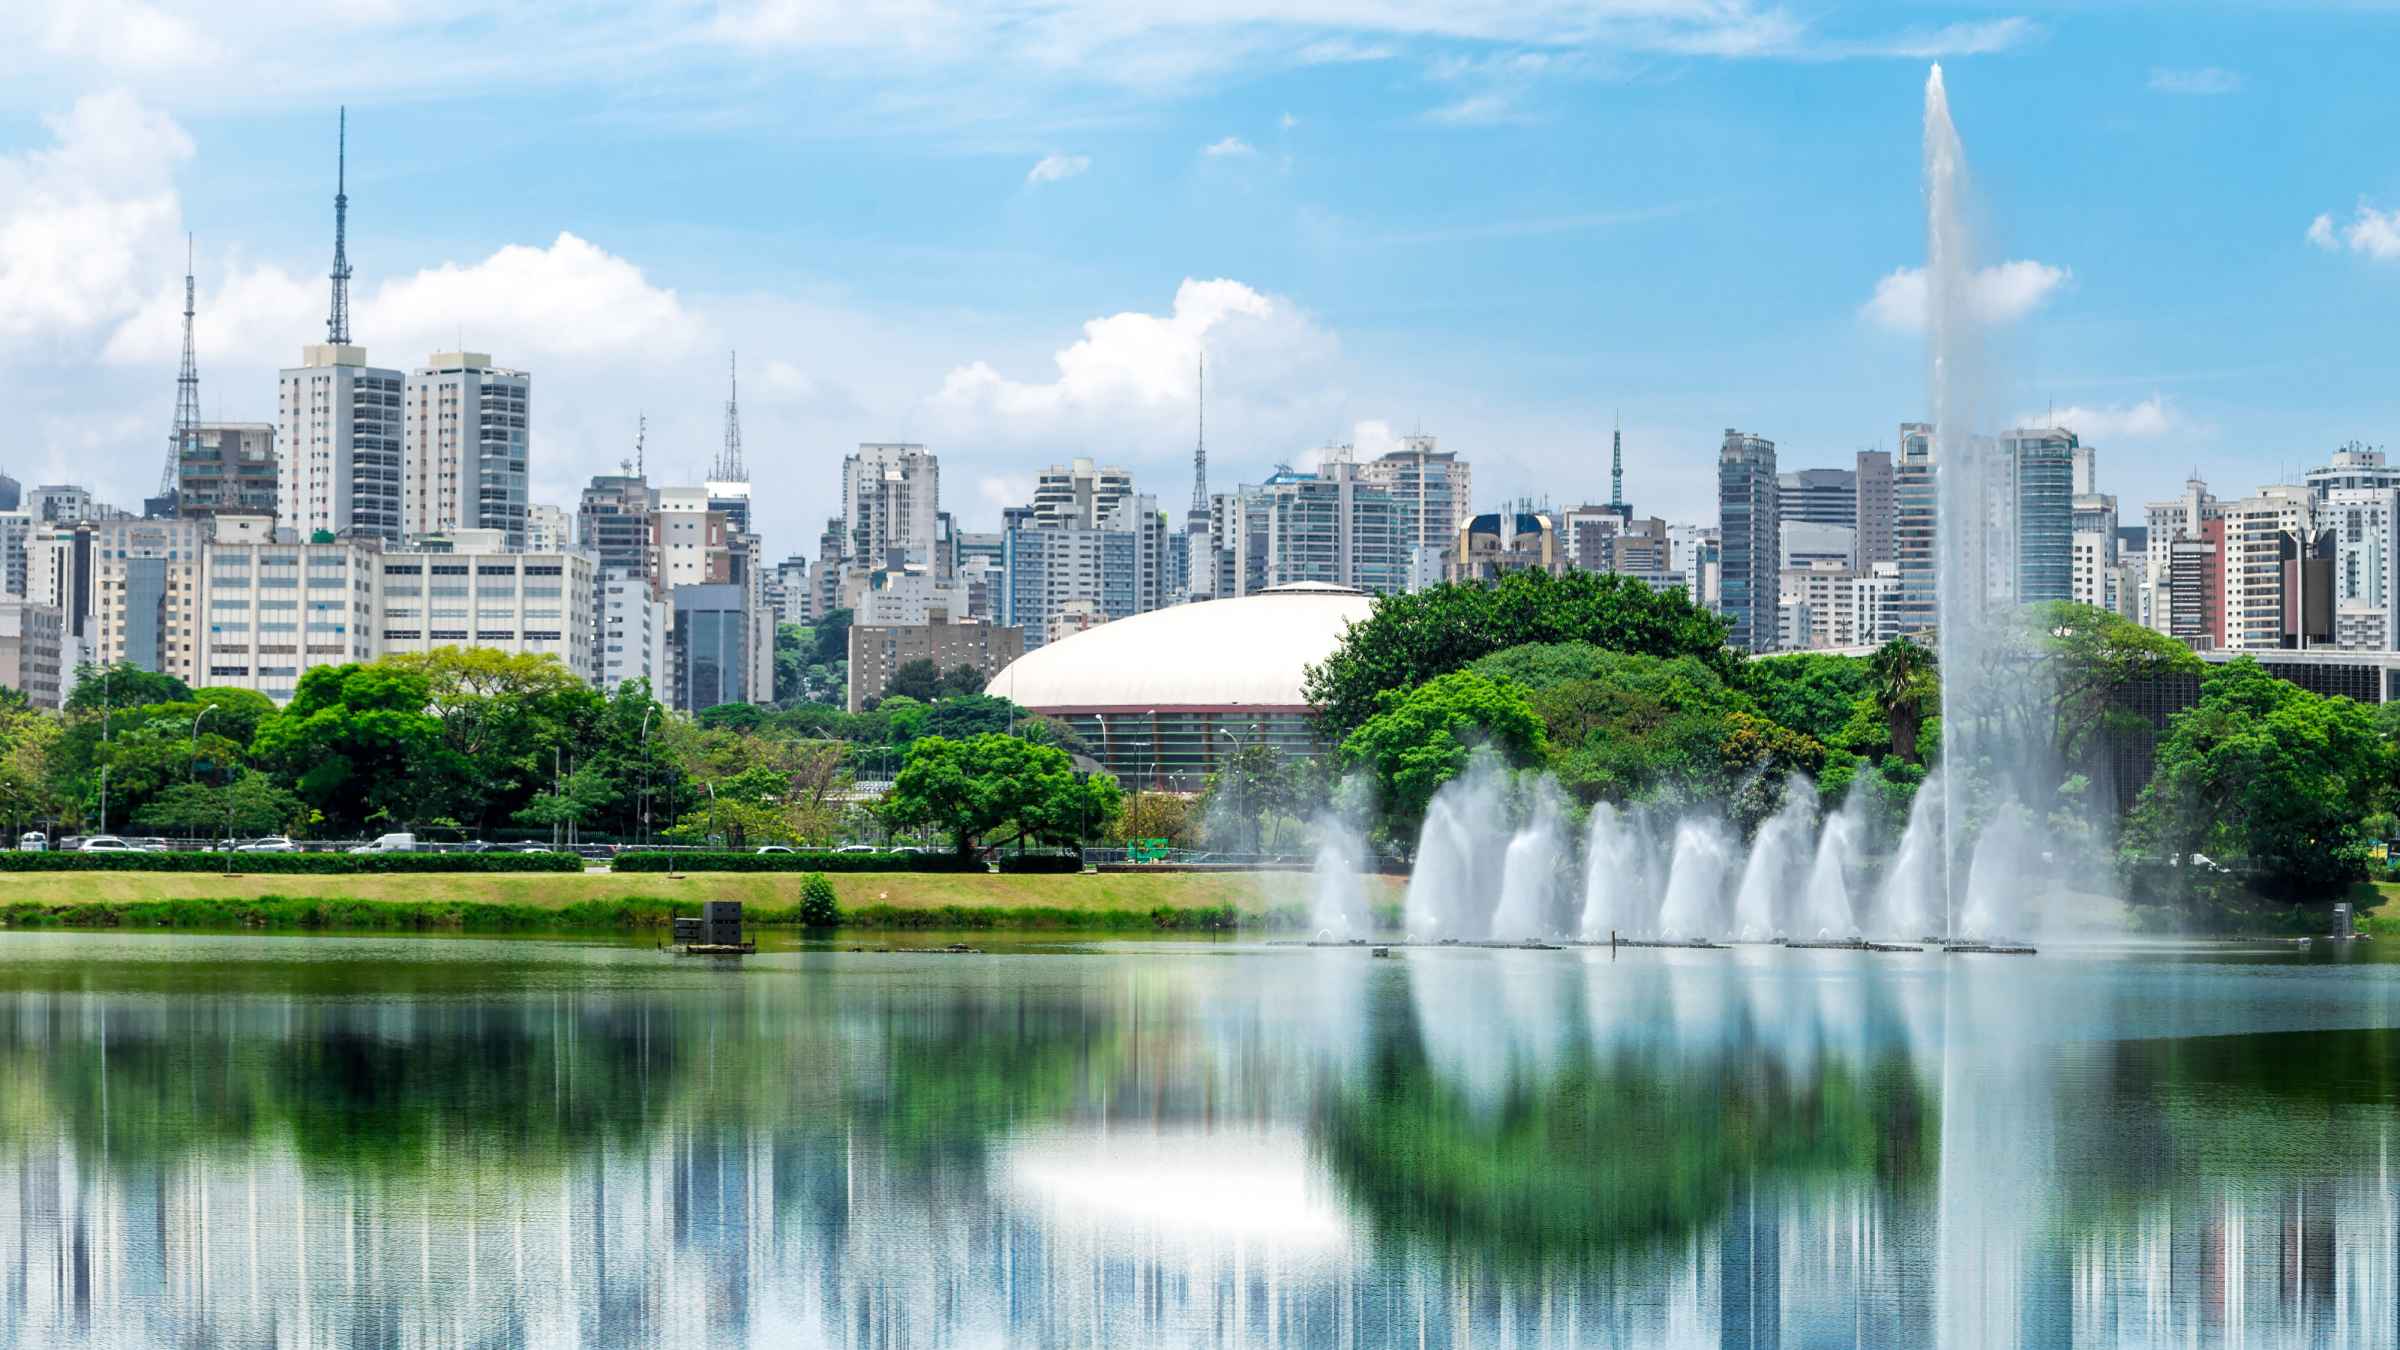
<point>1251,652</point>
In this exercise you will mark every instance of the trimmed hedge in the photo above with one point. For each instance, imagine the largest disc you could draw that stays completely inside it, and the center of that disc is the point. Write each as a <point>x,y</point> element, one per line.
<point>292,864</point>
<point>1041,863</point>
<point>805,861</point>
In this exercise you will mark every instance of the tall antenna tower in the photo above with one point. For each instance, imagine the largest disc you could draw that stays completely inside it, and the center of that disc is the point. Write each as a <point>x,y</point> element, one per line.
<point>729,461</point>
<point>1616,465</point>
<point>337,319</point>
<point>1199,516</point>
<point>187,388</point>
<point>641,435</point>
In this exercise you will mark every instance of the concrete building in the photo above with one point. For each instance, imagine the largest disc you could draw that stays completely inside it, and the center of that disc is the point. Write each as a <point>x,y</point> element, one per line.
<point>1610,539</point>
<point>66,504</point>
<point>549,529</point>
<point>1878,511</point>
<point>1051,572</point>
<point>1432,495</point>
<point>901,599</point>
<point>12,494</point>
<point>792,586</point>
<point>230,467</point>
<point>878,650</point>
<point>468,589</point>
<point>714,644</point>
<point>1874,600</point>
<point>59,572</point>
<point>1495,543</point>
<point>16,532</point>
<point>33,652</point>
<point>890,496</point>
<point>463,448</point>
<point>2130,592</point>
<point>2093,576</point>
<point>2256,529</point>
<point>2366,572</point>
<point>1817,607</point>
<point>1805,543</point>
<point>2184,518</point>
<point>2352,468</point>
<point>1818,496</point>
<point>1334,527</point>
<point>145,588</point>
<point>1916,514</point>
<point>634,624</point>
<point>339,433</point>
<point>2041,463</point>
<point>1079,494</point>
<point>612,523</point>
<point>271,611</point>
<point>1751,534</point>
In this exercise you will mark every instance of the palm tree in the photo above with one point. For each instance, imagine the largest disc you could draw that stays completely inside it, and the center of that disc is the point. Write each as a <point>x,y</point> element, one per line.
<point>1903,672</point>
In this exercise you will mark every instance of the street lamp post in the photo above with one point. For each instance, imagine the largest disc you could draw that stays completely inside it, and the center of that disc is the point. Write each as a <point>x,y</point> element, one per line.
<point>646,713</point>
<point>192,769</point>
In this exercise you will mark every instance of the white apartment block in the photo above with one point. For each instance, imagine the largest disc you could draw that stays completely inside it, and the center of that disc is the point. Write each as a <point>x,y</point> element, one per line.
<point>891,494</point>
<point>1875,602</point>
<point>479,594</point>
<point>1079,494</point>
<point>16,532</point>
<point>902,599</point>
<point>339,434</point>
<point>2132,596</point>
<point>33,651</point>
<point>2255,529</point>
<point>145,588</point>
<point>1433,493</point>
<point>272,611</point>
<point>549,529</point>
<point>2366,565</point>
<point>463,456</point>
<point>691,540</point>
<point>2090,578</point>
<point>2183,517</point>
<point>634,625</point>
<point>1817,607</point>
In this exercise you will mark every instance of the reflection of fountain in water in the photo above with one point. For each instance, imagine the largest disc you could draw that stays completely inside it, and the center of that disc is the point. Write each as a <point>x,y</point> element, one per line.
<point>1776,861</point>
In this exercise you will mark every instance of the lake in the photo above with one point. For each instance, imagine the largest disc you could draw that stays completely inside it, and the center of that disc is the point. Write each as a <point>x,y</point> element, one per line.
<point>332,1141</point>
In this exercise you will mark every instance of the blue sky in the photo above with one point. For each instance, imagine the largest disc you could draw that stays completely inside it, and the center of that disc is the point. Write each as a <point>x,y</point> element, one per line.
<point>1004,229</point>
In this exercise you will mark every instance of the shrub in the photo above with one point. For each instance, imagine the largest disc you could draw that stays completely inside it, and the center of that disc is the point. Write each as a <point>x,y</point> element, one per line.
<point>817,906</point>
<point>807,861</point>
<point>1041,862</point>
<point>292,864</point>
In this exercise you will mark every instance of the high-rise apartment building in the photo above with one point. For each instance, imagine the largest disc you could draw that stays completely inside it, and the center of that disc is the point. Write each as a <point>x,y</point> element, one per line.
<point>549,529</point>
<point>1747,518</point>
<point>229,467</point>
<point>464,445</point>
<point>16,534</point>
<point>2352,467</point>
<point>145,588</point>
<point>2365,524</point>
<point>1079,494</point>
<point>1432,495</point>
<point>2041,462</point>
<point>2256,530</point>
<point>633,635</point>
<point>612,523</point>
<point>33,652</point>
<point>468,589</point>
<point>876,652</point>
<point>339,434</point>
<point>2165,522</point>
<point>1058,578</point>
<point>1916,516</point>
<point>1877,509</point>
<point>1818,496</point>
<point>890,496</point>
<point>714,642</point>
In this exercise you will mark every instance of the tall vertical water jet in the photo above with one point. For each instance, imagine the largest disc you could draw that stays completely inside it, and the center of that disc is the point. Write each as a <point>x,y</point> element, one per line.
<point>1910,903</point>
<point>1826,911</point>
<point>1338,904</point>
<point>2006,865</point>
<point>1461,855</point>
<point>1694,906</point>
<point>1618,896</point>
<point>1778,859</point>
<point>1529,870</point>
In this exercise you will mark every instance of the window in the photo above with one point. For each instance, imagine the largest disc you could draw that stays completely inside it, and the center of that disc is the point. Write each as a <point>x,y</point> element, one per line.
<point>400,634</point>
<point>449,635</point>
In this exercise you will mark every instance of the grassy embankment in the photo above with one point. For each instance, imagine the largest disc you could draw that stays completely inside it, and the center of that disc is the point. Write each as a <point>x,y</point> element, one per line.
<point>597,901</point>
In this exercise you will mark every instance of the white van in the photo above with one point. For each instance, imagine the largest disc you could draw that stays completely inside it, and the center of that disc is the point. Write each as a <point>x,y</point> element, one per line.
<point>33,841</point>
<point>390,843</point>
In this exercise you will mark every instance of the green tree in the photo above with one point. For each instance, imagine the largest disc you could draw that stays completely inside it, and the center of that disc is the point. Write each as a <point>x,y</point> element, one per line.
<point>919,679</point>
<point>2263,773</point>
<point>1412,638</point>
<point>819,907</point>
<point>1903,683</point>
<point>250,805</point>
<point>963,715</point>
<point>1814,693</point>
<point>989,785</point>
<point>576,798</point>
<point>1245,796</point>
<point>830,639</point>
<point>357,745</point>
<point>123,685</point>
<point>962,682</point>
<point>1421,738</point>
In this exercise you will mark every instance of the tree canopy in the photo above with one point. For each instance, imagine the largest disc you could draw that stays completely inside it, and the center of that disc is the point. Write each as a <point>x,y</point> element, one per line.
<point>991,784</point>
<point>1422,737</point>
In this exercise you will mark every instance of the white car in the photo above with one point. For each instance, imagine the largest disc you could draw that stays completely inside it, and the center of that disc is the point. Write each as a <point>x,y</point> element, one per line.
<point>273,843</point>
<point>33,841</point>
<point>774,848</point>
<point>108,843</point>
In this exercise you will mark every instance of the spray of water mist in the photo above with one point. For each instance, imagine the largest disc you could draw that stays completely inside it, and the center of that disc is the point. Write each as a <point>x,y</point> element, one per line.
<point>1778,859</point>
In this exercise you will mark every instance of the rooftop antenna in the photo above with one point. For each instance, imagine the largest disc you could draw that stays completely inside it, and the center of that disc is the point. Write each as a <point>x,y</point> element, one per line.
<point>337,320</point>
<point>1199,516</point>
<point>1616,464</point>
<point>187,387</point>
<point>641,435</point>
<point>729,466</point>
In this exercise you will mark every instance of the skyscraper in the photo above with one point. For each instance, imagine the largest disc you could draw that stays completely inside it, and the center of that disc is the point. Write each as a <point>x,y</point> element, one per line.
<point>339,418</point>
<point>890,496</point>
<point>1915,515</point>
<point>1748,520</point>
<point>1433,490</point>
<point>1876,511</point>
<point>463,459</point>
<point>2042,463</point>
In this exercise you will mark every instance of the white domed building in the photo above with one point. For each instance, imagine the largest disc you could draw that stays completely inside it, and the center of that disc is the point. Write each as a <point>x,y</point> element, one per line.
<point>1162,698</point>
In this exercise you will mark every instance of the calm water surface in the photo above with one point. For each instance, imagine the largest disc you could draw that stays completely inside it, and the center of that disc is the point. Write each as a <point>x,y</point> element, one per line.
<point>267,1141</point>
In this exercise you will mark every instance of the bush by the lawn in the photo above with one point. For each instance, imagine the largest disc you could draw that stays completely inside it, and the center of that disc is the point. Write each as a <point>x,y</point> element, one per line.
<point>292,864</point>
<point>804,861</point>
<point>1041,862</point>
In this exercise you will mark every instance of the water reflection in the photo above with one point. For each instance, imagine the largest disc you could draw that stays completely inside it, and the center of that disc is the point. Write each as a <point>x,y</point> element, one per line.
<point>208,1141</point>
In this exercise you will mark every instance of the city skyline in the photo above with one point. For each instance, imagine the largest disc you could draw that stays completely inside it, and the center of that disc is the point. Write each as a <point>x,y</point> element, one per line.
<point>1364,216</point>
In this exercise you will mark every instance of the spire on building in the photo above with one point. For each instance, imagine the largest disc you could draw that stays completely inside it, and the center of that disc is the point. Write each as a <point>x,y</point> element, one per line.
<point>1616,465</point>
<point>641,435</point>
<point>1199,516</point>
<point>729,461</point>
<point>187,387</point>
<point>337,319</point>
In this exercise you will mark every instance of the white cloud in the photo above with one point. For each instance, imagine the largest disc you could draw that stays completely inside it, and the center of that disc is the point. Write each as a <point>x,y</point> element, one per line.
<point>1476,110</point>
<point>1053,168</point>
<point>1230,147</point>
<point>89,223</point>
<point>1343,51</point>
<point>2149,420</point>
<point>1127,383</point>
<point>1998,294</point>
<point>2373,233</point>
<point>2205,80</point>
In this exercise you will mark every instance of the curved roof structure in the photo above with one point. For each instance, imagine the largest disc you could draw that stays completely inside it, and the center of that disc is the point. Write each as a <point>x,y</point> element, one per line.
<point>1251,652</point>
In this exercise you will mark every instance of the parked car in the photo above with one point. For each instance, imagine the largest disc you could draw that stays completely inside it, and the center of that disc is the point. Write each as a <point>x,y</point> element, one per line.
<point>33,841</point>
<point>273,843</point>
<point>775,848</point>
<point>522,846</point>
<point>390,843</point>
<point>858,848</point>
<point>107,843</point>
